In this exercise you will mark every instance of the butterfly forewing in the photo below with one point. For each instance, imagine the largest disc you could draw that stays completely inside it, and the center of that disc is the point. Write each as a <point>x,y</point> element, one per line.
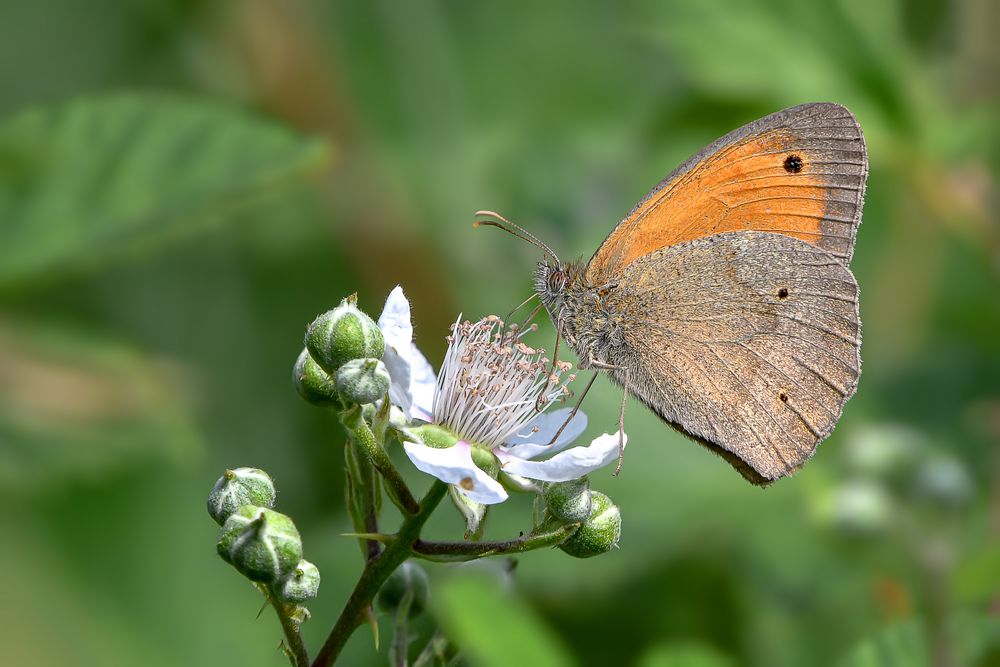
<point>748,341</point>
<point>799,172</point>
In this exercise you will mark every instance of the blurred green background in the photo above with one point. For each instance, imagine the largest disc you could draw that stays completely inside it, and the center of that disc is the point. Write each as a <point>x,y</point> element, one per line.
<point>185,184</point>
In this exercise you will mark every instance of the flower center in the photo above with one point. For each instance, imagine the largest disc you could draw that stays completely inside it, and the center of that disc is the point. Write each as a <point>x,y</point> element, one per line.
<point>491,381</point>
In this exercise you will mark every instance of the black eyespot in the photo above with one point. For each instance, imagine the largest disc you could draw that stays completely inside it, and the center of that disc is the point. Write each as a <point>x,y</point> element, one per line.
<point>783,293</point>
<point>783,396</point>
<point>793,164</point>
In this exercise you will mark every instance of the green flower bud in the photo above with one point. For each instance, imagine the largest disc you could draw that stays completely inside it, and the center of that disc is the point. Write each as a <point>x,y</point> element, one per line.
<point>363,381</point>
<point>408,577</point>
<point>342,334</point>
<point>599,533</point>
<point>300,584</point>
<point>312,382</point>
<point>262,544</point>
<point>243,486</point>
<point>569,502</point>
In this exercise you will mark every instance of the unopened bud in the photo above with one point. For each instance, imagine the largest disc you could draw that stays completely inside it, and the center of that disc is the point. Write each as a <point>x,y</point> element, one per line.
<point>242,486</point>
<point>312,382</point>
<point>300,584</point>
<point>262,544</point>
<point>342,334</point>
<point>599,533</point>
<point>408,577</point>
<point>363,381</point>
<point>569,502</point>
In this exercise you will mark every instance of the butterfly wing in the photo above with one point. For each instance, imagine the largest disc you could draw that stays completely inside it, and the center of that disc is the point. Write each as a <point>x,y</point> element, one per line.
<point>799,172</point>
<point>748,341</point>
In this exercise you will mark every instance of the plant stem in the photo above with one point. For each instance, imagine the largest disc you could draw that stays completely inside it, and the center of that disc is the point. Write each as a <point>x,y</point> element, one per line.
<point>296,648</point>
<point>463,551</point>
<point>363,435</point>
<point>375,574</point>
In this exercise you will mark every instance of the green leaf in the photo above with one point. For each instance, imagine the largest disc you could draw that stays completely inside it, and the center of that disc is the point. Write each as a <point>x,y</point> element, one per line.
<point>683,654</point>
<point>98,175</point>
<point>72,406</point>
<point>971,641</point>
<point>977,580</point>
<point>494,628</point>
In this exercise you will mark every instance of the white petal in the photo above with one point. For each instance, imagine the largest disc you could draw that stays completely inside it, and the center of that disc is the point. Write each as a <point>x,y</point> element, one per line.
<point>413,379</point>
<point>573,463</point>
<point>423,383</point>
<point>528,445</point>
<point>454,465</point>
<point>401,379</point>
<point>395,321</point>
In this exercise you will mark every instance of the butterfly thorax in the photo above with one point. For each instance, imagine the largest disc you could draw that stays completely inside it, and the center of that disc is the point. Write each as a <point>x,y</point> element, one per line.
<point>586,318</point>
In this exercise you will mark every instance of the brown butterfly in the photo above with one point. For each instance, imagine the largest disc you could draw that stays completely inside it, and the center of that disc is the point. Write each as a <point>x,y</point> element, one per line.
<point>723,300</point>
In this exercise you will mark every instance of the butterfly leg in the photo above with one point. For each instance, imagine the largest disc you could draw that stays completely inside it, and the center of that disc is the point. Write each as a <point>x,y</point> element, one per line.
<point>621,425</point>
<point>540,401</point>
<point>621,414</point>
<point>575,409</point>
<point>506,322</point>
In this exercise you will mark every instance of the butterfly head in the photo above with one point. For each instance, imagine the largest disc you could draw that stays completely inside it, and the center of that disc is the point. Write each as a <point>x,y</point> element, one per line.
<point>550,285</point>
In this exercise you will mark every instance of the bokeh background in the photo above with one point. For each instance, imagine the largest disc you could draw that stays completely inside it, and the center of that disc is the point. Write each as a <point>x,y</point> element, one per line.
<point>185,184</point>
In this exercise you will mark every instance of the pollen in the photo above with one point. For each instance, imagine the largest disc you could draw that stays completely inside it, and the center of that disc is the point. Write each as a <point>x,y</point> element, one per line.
<point>490,382</point>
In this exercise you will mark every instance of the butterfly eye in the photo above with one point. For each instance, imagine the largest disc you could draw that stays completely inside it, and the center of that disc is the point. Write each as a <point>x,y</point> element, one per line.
<point>557,280</point>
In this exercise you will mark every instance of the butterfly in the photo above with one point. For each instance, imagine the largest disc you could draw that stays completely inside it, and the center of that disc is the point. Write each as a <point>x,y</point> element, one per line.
<point>724,300</point>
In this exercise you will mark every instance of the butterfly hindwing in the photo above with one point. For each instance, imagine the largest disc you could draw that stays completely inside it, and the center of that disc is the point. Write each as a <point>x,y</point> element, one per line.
<point>748,341</point>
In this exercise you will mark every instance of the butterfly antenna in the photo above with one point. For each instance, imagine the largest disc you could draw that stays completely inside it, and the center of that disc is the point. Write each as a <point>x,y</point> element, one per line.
<point>518,231</point>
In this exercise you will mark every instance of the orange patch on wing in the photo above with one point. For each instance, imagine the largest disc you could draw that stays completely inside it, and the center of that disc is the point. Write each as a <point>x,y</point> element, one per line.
<point>745,186</point>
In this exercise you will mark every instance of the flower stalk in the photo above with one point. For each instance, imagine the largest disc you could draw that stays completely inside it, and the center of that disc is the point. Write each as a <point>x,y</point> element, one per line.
<point>451,552</point>
<point>294,646</point>
<point>375,574</point>
<point>362,434</point>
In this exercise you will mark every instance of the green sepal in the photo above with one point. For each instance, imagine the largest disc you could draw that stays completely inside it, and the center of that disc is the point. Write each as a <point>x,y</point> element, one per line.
<point>600,533</point>
<point>313,383</point>
<point>342,334</point>
<point>242,486</point>
<point>474,513</point>
<point>299,585</point>
<point>363,381</point>
<point>569,502</point>
<point>262,544</point>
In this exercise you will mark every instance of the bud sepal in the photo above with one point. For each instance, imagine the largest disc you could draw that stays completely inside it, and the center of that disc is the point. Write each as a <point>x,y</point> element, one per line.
<point>342,334</point>
<point>599,533</point>
<point>238,487</point>
<point>363,381</point>
<point>299,585</point>
<point>262,544</point>
<point>569,502</point>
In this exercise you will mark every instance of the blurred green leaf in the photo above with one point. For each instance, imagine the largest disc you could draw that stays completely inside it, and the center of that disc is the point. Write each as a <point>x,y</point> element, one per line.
<point>76,407</point>
<point>971,641</point>
<point>493,628</point>
<point>978,578</point>
<point>683,654</point>
<point>89,178</point>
